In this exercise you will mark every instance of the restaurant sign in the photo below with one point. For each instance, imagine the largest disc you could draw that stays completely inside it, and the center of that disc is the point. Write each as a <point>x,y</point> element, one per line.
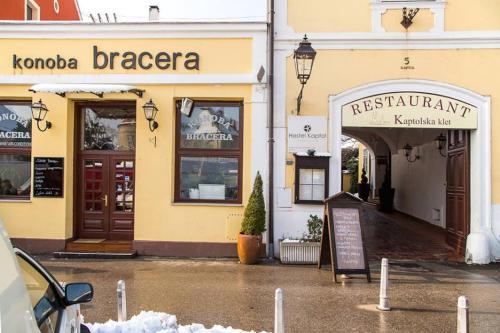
<point>410,110</point>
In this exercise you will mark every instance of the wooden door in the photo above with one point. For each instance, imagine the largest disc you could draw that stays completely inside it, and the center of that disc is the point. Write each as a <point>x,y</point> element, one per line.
<point>105,172</point>
<point>458,189</point>
<point>93,197</point>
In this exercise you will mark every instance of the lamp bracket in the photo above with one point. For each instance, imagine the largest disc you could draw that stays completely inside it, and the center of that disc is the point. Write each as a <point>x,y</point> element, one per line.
<point>299,99</point>
<point>153,125</point>
<point>408,16</point>
<point>48,125</point>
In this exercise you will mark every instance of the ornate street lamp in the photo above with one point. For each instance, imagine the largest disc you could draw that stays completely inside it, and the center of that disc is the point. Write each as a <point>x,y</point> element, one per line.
<point>150,111</point>
<point>39,111</point>
<point>440,141</point>
<point>408,149</point>
<point>304,60</point>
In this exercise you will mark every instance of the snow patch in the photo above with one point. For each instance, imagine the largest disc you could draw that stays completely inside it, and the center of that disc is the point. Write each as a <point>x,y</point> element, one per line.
<point>156,322</point>
<point>60,88</point>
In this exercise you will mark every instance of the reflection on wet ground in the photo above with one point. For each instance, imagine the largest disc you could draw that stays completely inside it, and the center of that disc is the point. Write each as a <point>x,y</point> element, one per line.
<point>423,294</point>
<point>399,236</point>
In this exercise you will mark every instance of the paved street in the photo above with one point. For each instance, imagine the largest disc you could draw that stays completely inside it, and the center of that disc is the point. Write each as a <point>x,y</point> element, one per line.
<point>423,295</point>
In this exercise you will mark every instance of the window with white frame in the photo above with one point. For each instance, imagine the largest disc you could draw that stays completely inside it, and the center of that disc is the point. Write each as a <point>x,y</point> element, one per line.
<point>32,11</point>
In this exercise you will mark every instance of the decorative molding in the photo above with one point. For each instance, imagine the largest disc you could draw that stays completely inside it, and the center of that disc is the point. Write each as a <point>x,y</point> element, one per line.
<point>393,40</point>
<point>42,30</point>
<point>132,79</point>
<point>379,7</point>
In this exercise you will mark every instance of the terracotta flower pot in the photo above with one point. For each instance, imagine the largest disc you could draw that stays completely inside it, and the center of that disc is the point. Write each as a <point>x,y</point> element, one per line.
<point>249,248</point>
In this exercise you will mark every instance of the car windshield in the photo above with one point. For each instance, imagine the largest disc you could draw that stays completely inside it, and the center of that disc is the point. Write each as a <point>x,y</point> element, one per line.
<point>42,296</point>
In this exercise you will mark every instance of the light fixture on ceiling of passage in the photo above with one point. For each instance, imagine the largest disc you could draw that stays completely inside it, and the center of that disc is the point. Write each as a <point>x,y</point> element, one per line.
<point>39,111</point>
<point>150,111</point>
<point>304,57</point>
<point>440,141</point>
<point>408,150</point>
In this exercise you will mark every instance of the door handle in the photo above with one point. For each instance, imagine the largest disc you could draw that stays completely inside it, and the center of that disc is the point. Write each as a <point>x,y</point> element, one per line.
<point>105,198</point>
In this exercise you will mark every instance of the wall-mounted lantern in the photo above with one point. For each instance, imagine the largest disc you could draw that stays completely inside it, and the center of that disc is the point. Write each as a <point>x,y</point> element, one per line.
<point>150,111</point>
<point>304,60</point>
<point>408,16</point>
<point>408,150</point>
<point>440,141</point>
<point>39,111</point>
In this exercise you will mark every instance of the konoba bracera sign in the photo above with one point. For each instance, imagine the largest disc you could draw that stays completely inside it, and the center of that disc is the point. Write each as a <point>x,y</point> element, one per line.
<point>409,110</point>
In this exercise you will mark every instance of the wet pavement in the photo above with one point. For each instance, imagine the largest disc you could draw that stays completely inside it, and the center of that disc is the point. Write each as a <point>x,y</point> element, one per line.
<point>400,236</point>
<point>423,295</point>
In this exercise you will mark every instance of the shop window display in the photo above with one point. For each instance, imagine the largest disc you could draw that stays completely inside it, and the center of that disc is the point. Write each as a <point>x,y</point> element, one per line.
<point>15,150</point>
<point>209,150</point>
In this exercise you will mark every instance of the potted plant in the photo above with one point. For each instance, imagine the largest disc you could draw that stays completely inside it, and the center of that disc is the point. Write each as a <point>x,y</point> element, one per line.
<point>253,225</point>
<point>305,250</point>
<point>364,187</point>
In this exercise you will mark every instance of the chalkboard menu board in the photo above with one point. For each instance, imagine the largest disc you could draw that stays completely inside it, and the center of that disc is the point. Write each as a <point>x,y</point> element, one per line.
<point>342,238</point>
<point>348,240</point>
<point>48,176</point>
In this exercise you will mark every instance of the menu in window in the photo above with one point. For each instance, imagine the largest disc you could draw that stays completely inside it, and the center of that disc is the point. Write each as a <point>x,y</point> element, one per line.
<point>48,176</point>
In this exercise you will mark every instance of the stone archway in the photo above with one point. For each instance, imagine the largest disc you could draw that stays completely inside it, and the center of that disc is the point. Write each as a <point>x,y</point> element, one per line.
<point>482,246</point>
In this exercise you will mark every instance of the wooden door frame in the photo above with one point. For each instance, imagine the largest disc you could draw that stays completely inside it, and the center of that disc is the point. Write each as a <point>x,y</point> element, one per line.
<point>452,238</point>
<point>77,140</point>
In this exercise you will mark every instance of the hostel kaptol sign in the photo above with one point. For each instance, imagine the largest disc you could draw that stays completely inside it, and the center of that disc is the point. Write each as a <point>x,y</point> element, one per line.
<point>307,132</point>
<point>113,60</point>
<point>410,110</point>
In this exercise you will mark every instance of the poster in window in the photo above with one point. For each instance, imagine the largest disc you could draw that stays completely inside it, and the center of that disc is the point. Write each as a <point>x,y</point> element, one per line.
<point>15,125</point>
<point>211,127</point>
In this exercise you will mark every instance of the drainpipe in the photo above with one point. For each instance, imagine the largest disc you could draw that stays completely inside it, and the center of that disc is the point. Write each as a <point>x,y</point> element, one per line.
<point>270,38</point>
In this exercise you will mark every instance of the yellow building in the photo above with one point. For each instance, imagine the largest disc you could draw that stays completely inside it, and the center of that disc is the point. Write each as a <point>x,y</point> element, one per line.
<point>399,91</point>
<point>153,135</point>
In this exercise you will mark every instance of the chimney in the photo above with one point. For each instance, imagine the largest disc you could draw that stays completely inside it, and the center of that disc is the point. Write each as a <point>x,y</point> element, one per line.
<point>154,13</point>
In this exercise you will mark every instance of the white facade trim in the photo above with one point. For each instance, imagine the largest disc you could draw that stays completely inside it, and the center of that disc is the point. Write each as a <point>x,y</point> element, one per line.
<point>145,79</point>
<point>480,164</point>
<point>379,7</point>
<point>393,40</point>
<point>35,10</point>
<point>153,30</point>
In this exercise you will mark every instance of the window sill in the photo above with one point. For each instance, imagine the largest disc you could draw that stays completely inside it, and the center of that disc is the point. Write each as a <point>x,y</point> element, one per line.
<point>207,204</point>
<point>16,200</point>
<point>309,202</point>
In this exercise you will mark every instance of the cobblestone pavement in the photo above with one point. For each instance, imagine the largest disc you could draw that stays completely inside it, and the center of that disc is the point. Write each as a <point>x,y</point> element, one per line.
<point>423,294</point>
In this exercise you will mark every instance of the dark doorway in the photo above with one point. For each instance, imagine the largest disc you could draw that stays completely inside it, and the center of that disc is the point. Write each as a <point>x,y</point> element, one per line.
<point>105,171</point>
<point>458,189</point>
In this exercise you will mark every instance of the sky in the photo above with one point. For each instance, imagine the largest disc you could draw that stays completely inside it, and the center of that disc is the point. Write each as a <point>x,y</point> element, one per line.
<point>176,10</point>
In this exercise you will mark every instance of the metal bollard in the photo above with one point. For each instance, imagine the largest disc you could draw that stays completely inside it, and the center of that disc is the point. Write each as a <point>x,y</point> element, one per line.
<point>121,301</point>
<point>383,304</point>
<point>463,314</point>
<point>279,326</point>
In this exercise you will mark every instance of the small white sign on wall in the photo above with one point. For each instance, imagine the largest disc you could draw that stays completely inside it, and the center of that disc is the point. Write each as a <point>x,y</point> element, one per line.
<point>307,132</point>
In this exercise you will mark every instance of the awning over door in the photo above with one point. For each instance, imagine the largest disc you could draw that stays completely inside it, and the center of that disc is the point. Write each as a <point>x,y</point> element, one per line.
<point>97,89</point>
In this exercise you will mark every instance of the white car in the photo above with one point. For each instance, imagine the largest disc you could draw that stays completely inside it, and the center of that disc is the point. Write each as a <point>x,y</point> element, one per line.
<point>32,300</point>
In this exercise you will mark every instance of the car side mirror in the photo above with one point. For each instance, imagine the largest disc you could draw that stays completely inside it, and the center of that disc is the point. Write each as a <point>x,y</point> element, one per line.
<point>78,293</point>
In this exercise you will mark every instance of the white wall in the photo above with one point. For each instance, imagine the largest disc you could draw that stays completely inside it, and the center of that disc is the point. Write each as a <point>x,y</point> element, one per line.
<point>421,186</point>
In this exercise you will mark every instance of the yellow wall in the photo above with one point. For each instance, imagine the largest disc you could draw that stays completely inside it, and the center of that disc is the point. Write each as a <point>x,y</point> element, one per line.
<point>157,217</point>
<point>355,16</point>
<point>338,70</point>
<point>361,161</point>
<point>328,15</point>
<point>472,15</point>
